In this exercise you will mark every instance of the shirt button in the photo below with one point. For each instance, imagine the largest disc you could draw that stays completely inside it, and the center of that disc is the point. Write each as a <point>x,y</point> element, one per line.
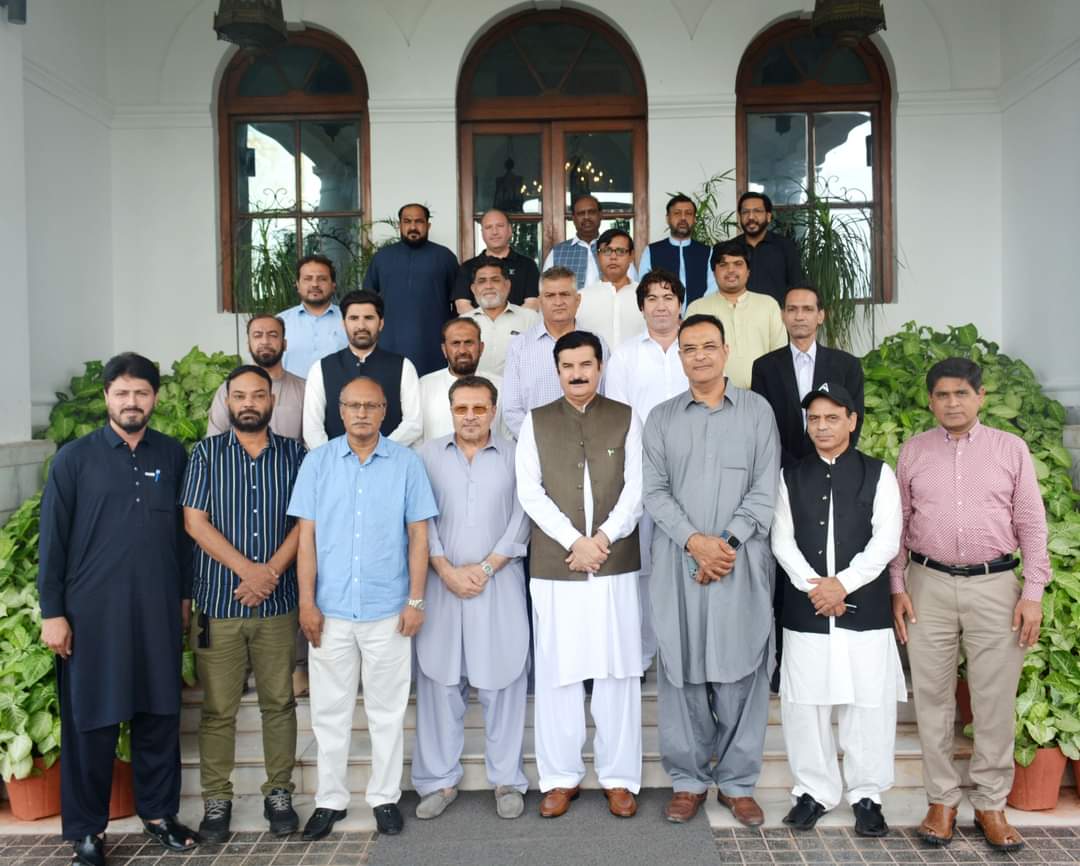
<point>136,483</point>
<point>137,499</point>
<point>820,552</point>
<point>579,466</point>
<point>823,498</point>
<point>822,522</point>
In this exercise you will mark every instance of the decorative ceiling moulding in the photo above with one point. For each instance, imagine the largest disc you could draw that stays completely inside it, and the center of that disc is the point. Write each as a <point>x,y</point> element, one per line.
<point>690,108</point>
<point>406,14</point>
<point>412,110</point>
<point>178,116</point>
<point>930,103</point>
<point>691,12</point>
<point>1035,76</point>
<point>83,101</point>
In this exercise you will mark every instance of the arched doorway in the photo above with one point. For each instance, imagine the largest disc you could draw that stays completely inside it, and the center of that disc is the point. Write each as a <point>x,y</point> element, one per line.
<point>551,105</point>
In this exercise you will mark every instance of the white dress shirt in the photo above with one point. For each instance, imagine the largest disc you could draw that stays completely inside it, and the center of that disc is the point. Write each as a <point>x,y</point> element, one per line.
<point>612,313</point>
<point>497,333</point>
<point>435,406</point>
<point>804,371</point>
<point>641,374</point>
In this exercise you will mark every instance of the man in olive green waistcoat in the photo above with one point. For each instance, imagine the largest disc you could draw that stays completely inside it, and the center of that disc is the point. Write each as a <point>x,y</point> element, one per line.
<point>579,479</point>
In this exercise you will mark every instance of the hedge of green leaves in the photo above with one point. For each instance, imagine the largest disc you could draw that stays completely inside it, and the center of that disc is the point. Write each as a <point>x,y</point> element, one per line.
<point>1048,699</point>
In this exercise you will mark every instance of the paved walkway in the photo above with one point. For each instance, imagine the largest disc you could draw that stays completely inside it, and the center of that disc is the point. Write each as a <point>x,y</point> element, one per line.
<point>1055,845</point>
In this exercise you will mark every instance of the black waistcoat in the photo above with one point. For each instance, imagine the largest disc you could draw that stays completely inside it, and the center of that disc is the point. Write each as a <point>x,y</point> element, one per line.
<point>851,482</point>
<point>664,254</point>
<point>340,368</point>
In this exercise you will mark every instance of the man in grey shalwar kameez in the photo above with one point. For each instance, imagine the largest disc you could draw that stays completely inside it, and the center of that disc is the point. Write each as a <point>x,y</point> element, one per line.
<point>711,467</point>
<point>477,630</point>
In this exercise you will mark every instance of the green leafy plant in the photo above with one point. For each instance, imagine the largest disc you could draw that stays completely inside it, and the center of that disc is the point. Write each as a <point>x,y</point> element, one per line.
<point>1048,695</point>
<point>714,222</point>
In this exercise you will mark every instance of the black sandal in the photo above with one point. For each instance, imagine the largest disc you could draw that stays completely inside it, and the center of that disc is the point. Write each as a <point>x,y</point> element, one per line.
<point>172,834</point>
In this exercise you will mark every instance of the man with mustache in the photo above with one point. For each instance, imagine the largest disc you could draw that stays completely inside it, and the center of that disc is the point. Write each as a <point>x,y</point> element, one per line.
<point>402,422</point>
<point>521,271</point>
<point>114,580</point>
<point>235,494</point>
<point>578,468</point>
<point>679,253</point>
<point>774,260</point>
<point>463,349</point>
<point>415,278</point>
<point>267,345</point>
<point>499,320</point>
<point>579,252</point>
<point>315,323</point>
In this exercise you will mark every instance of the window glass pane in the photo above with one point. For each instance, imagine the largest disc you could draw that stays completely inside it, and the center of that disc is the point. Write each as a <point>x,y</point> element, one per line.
<point>329,77</point>
<point>809,52</point>
<point>524,238</point>
<point>264,168</point>
<point>776,153</point>
<point>843,155</point>
<point>844,67</point>
<point>506,169</point>
<point>601,70</point>
<point>502,73</point>
<point>263,78</point>
<point>265,264</point>
<point>296,62</point>
<point>776,68</point>
<point>329,165</point>
<point>337,238</point>
<point>600,164</point>
<point>551,48</point>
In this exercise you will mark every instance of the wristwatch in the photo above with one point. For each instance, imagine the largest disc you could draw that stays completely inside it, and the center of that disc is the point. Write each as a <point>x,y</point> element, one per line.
<point>486,567</point>
<point>732,541</point>
<point>416,603</point>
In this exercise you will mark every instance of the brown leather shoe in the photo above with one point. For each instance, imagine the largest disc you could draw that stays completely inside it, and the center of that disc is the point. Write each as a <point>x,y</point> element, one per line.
<point>621,802</point>
<point>683,806</point>
<point>997,831</point>
<point>557,801</point>
<point>745,809</point>
<point>938,826</point>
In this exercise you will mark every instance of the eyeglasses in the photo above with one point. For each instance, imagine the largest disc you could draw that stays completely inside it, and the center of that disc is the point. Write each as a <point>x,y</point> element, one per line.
<point>357,408</point>
<point>691,351</point>
<point>613,251</point>
<point>478,411</point>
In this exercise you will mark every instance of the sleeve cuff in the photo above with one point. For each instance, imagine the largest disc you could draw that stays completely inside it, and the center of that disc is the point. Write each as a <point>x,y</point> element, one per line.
<point>512,550</point>
<point>1032,591</point>
<point>52,607</point>
<point>741,528</point>
<point>897,583</point>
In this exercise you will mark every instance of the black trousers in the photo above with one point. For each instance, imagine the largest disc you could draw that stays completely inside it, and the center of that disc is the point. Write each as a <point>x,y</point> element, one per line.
<point>778,612</point>
<point>86,769</point>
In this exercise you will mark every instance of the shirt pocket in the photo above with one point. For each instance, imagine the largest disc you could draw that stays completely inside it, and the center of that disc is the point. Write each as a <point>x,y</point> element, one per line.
<point>161,492</point>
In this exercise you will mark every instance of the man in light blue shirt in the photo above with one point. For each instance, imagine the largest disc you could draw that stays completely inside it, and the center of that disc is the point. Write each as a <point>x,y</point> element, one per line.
<point>363,503</point>
<point>680,253</point>
<point>314,325</point>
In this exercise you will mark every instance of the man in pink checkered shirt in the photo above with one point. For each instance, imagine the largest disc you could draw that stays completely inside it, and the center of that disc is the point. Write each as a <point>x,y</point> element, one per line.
<point>970,498</point>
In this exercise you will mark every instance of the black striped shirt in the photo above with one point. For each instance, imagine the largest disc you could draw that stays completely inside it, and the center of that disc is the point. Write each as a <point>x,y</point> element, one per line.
<point>246,500</point>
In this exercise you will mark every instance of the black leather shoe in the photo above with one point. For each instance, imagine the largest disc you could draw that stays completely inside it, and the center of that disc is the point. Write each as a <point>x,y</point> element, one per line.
<point>217,816</point>
<point>388,819</point>
<point>278,810</point>
<point>321,822</point>
<point>172,834</point>
<point>868,819</point>
<point>89,851</point>
<point>804,814</point>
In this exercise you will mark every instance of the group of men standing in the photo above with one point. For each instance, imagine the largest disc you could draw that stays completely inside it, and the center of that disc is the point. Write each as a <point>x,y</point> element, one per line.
<point>674,460</point>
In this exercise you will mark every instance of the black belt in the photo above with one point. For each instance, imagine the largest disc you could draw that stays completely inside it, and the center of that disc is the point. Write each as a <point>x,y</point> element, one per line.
<point>1002,563</point>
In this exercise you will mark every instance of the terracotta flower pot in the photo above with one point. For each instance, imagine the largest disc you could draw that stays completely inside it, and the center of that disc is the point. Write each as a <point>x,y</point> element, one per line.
<point>963,702</point>
<point>36,796</point>
<point>1076,774</point>
<point>1036,787</point>
<point>122,798</point>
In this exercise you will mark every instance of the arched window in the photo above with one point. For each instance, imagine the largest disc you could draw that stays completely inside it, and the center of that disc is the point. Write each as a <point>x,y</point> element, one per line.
<point>293,162</point>
<point>814,123</point>
<point>551,105</point>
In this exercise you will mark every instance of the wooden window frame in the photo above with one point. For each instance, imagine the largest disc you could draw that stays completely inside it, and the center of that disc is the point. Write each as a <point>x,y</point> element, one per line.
<point>811,97</point>
<point>293,107</point>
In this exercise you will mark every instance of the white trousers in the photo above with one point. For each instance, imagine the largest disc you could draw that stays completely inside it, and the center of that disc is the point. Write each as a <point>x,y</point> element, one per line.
<point>867,736</point>
<point>381,656</point>
<point>559,723</point>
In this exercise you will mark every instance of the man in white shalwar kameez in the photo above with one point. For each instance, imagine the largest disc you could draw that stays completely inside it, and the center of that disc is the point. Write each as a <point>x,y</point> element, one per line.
<point>836,528</point>
<point>579,479</point>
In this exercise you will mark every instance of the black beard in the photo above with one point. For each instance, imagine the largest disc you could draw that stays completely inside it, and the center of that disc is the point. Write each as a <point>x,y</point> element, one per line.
<point>267,361</point>
<point>465,367</point>
<point>130,426</point>
<point>414,244</point>
<point>250,426</point>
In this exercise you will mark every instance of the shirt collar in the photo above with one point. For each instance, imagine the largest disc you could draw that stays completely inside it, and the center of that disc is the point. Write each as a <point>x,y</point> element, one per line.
<point>731,395</point>
<point>235,443</point>
<point>812,351</point>
<point>683,243</point>
<point>971,434</point>
<point>113,440</point>
<point>588,244</point>
<point>343,449</point>
<point>494,443</point>
<point>332,310</point>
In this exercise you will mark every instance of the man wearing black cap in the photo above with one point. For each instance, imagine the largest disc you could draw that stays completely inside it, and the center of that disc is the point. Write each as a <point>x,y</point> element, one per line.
<point>836,528</point>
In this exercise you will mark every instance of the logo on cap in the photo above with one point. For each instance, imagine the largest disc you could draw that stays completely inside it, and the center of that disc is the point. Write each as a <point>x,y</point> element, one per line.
<point>824,387</point>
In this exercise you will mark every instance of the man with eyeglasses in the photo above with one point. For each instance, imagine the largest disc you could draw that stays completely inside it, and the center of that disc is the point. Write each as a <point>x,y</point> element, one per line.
<point>362,318</point>
<point>363,504</point>
<point>773,258</point>
<point>477,630</point>
<point>579,252</point>
<point>609,307</point>
<point>711,471</point>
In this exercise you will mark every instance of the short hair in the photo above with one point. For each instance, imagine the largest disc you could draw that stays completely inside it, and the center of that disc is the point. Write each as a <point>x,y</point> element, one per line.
<point>680,198</point>
<point>318,259</point>
<point>607,236</point>
<point>765,200</point>
<point>423,207</point>
<point>257,316</point>
<point>585,195</point>
<point>461,320</point>
<point>133,365</point>
<point>474,382</point>
<point>558,272</point>
<point>248,368</point>
<point>659,276</point>
<point>702,319</point>
<point>954,368</point>
<point>490,262</point>
<point>728,248</point>
<point>362,296</point>
<point>377,384</point>
<point>575,340</point>
<point>805,287</point>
